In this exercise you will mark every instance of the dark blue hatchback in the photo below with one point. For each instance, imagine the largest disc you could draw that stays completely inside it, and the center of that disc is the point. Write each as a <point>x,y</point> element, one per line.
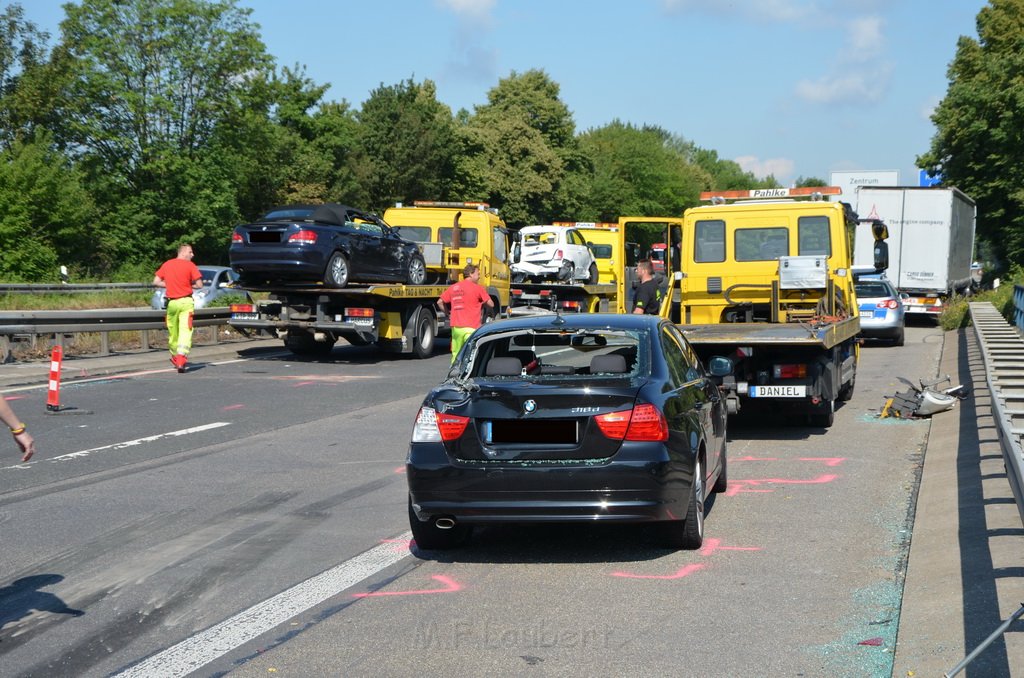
<point>585,417</point>
<point>330,244</point>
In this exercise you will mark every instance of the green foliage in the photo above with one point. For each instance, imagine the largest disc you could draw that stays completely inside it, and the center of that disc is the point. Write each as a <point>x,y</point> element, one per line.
<point>45,213</point>
<point>805,182</point>
<point>727,175</point>
<point>406,144</point>
<point>639,172</point>
<point>977,146</point>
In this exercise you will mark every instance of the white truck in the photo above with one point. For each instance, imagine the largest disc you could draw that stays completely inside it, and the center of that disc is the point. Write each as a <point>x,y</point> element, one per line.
<point>931,241</point>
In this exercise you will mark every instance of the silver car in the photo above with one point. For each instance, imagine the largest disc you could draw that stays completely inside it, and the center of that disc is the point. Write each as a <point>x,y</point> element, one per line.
<point>218,281</point>
<point>882,313</point>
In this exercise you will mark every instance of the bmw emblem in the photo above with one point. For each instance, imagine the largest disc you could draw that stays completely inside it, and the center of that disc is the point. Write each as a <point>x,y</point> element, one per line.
<point>530,406</point>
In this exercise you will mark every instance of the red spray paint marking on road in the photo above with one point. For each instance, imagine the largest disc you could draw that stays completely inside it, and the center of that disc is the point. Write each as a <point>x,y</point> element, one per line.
<point>712,545</point>
<point>684,571</point>
<point>13,397</point>
<point>829,461</point>
<point>738,486</point>
<point>231,407</point>
<point>749,458</point>
<point>450,587</point>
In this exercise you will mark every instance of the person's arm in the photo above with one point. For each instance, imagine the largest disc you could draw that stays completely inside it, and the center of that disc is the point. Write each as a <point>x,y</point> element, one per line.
<point>158,281</point>
<point>21,436</point>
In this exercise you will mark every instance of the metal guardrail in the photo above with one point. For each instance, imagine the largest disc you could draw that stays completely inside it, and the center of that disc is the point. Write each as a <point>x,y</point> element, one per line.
<point>1002,351</point>
<point>83,287</point>
<point>14,324</point>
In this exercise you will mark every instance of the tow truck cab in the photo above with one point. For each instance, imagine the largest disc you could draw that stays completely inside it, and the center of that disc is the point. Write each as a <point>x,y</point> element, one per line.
<point>483,240</point>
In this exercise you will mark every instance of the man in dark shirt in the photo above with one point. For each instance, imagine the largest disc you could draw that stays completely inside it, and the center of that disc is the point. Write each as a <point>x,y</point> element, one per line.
<point>648,293</point>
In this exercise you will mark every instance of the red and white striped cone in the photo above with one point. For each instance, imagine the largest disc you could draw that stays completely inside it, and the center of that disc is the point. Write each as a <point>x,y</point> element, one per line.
<point>53,396</point>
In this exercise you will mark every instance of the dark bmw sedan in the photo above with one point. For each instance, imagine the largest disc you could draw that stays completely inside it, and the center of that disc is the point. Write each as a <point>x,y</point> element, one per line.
<point>330,244</point>
<point>584,417</point>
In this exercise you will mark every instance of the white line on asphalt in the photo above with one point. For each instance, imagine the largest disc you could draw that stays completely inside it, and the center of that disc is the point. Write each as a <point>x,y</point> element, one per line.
<point>193,653</point>
<point>139,441</point>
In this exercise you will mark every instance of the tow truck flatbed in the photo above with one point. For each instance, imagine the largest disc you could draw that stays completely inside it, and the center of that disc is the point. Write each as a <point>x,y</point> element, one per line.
<point>738,334</point>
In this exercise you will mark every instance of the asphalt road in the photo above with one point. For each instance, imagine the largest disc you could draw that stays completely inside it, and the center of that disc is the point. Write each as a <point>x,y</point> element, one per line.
<point>250,517</point>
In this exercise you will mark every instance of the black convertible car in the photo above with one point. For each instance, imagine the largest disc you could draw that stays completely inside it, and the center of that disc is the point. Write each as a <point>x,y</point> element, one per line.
<point>332,244</point>
<point>586,417</point>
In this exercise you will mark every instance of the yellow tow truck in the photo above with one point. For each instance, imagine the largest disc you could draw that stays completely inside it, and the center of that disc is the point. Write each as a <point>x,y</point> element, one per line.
<point>765,278</point>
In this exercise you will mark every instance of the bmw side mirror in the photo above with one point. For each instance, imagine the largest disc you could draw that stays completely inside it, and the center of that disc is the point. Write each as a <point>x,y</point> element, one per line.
<point>720,366</point>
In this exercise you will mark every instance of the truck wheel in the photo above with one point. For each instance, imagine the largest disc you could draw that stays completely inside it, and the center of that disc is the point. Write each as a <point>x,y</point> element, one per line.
<point>336,274</point>
<point>416,271</point>
<point>423,346</point>
<point>846,392</point>
<point>594,275</point>
<point>304,344</point>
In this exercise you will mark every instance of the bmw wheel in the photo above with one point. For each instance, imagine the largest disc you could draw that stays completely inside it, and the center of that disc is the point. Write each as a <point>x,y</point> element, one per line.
<point>416,271</point>
<point>337,271</point>
<point>689,533</point>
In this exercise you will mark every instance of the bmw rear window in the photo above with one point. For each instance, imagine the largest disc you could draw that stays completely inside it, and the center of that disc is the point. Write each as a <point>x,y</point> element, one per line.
<point>285,215</point>
<point>559,355</point>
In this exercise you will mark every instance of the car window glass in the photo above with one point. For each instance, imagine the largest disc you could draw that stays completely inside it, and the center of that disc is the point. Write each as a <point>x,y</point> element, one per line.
<point>674,359</point>
<point>500,244</point>
<point>709,241</point>
<point>414,233</point>
<point>761,244</point>
<point>596,354</point>
<point>602,251</point>
<point>872,289</point>
<point>366,227</point>
<point>813,235</point>
<point>694,368</point>
<point>467,236</point>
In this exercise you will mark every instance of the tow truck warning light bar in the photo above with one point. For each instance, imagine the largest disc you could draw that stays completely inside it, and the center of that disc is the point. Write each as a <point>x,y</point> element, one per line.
<point>813,192</point>
<point>459,205</point>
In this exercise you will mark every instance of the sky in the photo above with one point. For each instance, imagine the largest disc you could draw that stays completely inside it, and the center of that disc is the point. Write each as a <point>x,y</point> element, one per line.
<point>792,88</point>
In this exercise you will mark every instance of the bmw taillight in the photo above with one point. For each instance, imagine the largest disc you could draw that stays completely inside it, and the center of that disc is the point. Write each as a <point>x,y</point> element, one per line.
<point>304,236</point>
<point>642,423</point>
<point>432,427</point>
<point>237,237</point>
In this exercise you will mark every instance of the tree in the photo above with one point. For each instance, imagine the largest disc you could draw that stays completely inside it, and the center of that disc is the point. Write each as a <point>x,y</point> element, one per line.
<point>145,87</point>
<point>640,172</point>
<point>406,145</point>
<point>805,182</point>
<point>520,150</point>
<point>978,146</point>
<point>22,50</point>
<point>45,214</point>
<point>727,175</point>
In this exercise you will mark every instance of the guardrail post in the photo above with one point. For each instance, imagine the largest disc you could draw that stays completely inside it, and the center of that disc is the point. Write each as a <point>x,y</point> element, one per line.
<point>5,349</point>
<point>104,343</point>
<point>144,338</point>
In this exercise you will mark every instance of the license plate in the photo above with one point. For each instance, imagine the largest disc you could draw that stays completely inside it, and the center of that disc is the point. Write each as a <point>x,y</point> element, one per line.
<point>773,391</point>
<point>361,321</point>
<point>867,314</point>
<point>245,316</point>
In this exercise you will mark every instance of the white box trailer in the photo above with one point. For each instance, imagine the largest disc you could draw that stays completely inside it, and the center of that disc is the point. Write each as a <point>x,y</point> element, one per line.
<point>931,240</point>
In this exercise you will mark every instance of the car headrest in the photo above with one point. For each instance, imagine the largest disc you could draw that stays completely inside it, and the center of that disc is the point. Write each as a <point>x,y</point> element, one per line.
<point>504,367</point>
<point>610,363</point>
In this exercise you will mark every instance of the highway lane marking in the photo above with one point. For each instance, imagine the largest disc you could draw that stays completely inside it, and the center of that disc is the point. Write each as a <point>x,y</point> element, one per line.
<point>199,650</point>
<point>127,443</point>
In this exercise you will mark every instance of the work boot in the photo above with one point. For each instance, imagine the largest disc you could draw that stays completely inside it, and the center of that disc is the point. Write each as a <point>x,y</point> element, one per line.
<point>179,362</point>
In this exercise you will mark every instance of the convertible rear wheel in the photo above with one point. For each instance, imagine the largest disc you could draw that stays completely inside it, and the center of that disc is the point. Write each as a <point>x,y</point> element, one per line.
<point>336,274</point>
<point>594,275</point>
<point>689,533</point>
<point>416,271</point>
<point>431,537</point>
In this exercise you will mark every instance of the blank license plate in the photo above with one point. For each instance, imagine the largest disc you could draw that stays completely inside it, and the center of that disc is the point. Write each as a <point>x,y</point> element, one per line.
<point>778,391</point>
